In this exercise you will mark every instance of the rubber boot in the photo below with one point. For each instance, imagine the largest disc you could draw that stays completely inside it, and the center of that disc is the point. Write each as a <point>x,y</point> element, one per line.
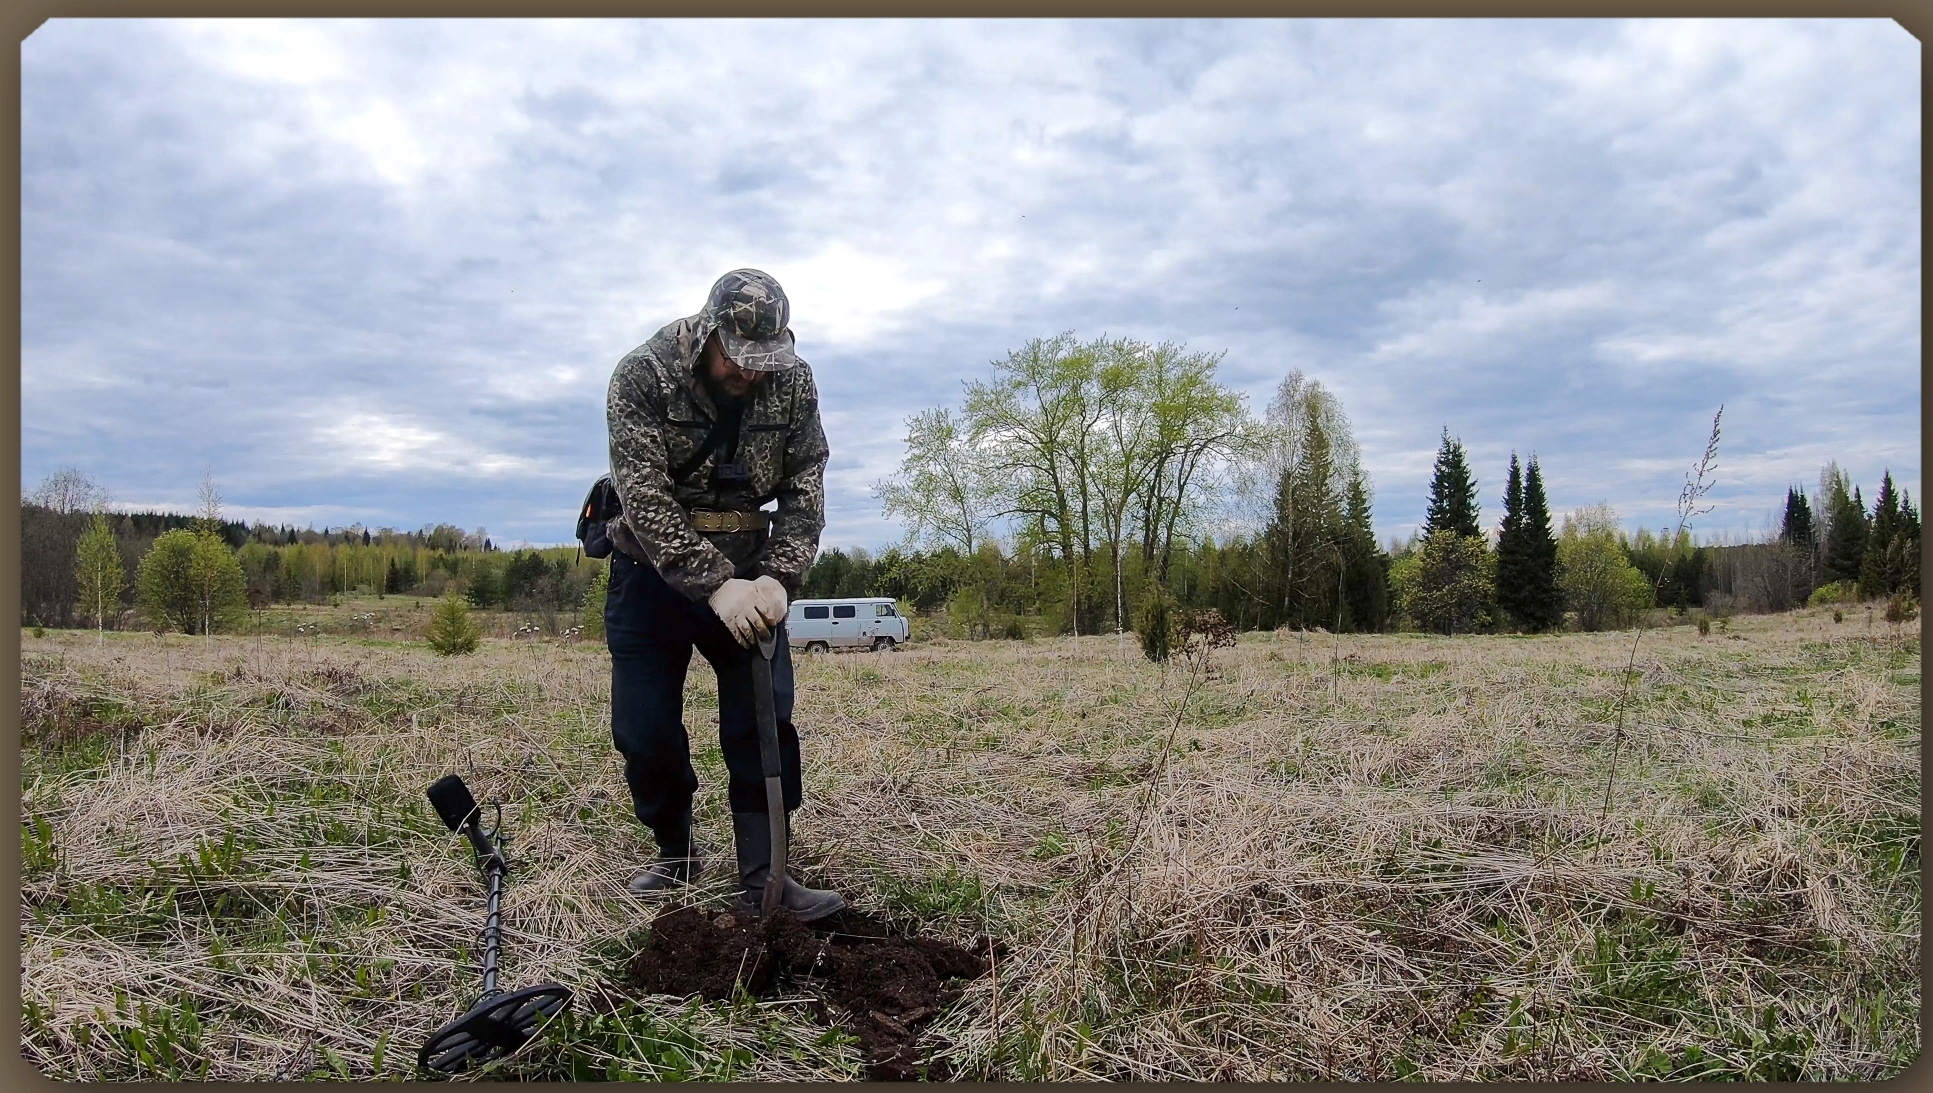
<point>677,863</point>
<point>752,831</point>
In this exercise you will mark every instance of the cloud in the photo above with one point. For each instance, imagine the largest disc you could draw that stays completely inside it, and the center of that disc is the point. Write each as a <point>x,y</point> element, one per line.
<point>388,265</point>
<point>375,441</point>
<point>860,300</point>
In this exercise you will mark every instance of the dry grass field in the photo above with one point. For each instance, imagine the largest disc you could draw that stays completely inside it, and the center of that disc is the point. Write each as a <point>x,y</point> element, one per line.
<point>1358,858</point>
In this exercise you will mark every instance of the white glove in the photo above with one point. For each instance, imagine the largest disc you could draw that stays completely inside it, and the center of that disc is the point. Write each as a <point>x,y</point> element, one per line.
<point>737,603</point>
<point>771,599</point>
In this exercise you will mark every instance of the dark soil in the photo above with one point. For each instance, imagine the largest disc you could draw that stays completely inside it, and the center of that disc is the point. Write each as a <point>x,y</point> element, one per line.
<point>885,986</point>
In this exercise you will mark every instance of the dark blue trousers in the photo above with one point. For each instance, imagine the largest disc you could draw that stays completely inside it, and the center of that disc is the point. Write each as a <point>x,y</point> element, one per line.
<point>651,630</point>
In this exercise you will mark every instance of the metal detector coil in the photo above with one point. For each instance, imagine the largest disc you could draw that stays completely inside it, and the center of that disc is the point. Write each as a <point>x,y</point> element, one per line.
<point>500,1022</point>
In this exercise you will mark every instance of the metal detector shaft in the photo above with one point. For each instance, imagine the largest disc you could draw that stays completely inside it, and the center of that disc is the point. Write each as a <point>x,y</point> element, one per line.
<point>492,932</point>
<point>768,751</point>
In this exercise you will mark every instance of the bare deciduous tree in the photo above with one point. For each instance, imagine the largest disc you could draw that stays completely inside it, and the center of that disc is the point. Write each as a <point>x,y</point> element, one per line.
<point>67,491</point>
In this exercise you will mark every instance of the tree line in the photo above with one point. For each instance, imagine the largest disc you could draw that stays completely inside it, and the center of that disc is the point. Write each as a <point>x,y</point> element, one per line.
<point>82,564</point>
<point>1088,487</point>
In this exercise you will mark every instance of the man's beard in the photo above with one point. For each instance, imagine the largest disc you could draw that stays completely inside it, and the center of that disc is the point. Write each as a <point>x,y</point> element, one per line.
<point>730,390</point>
<point>733,387</point>
<point>718,389</point>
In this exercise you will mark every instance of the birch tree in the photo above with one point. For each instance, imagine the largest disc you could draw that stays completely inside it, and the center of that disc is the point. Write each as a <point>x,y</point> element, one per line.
<point>98,572</point>
<point>942,491</point>
<point>1035,418</point>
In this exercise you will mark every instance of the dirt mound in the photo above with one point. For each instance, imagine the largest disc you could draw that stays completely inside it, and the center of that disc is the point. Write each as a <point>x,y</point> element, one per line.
<point>885,986</point>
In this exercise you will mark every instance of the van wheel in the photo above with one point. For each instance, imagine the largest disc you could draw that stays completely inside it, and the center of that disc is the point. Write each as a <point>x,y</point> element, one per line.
<point>882,645</point>
<point>816,647</point>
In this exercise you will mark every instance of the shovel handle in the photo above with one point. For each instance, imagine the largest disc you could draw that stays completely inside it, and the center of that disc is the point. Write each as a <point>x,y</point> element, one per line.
<point>768,749</point>
<point>764,706</point>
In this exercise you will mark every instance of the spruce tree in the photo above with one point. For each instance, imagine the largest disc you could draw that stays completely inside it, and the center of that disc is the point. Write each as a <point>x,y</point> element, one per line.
<point>1303,541</point>
<point>1846,542</point>
<point>1908,544</point>
<point>1542,601</point>
<point>1513,563</point>
<point>1366,567</point>
<point>1453,493</point>
<point>1454,589</point>
<point>1797,529</point>
<point>1318,520</point>
<point>1876,576</point>
<point>452,632</point>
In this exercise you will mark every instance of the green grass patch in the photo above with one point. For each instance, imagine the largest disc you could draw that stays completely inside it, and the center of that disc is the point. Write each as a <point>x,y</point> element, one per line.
<point>949,894</point>
<point>144,1042</point>
<point>1636,965</point>
<point>637,1042</point>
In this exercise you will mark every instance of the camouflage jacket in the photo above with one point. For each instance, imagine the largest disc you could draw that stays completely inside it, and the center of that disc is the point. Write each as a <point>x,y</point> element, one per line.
<point>660,413</point>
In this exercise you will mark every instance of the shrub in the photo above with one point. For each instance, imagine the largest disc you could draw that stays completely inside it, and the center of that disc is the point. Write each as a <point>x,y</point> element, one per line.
<point>1207,625</point>
<point>1704,627</point>
<point>1156,627</point>
<point>593,612</point>
<point>452,632</point>
<point>1598,579</point>
<point>968,616</point>
<point>1836,593</point>
<point>1902,607</point>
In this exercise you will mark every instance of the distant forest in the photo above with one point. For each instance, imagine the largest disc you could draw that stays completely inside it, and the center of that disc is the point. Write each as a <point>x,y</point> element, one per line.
<point>1086,488</point>
<point>284,564</point>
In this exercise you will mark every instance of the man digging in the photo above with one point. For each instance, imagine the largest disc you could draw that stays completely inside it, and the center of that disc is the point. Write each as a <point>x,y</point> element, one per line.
<point>710,419</point>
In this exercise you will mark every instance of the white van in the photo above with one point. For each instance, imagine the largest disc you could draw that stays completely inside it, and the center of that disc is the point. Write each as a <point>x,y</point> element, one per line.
<point>868,622</point>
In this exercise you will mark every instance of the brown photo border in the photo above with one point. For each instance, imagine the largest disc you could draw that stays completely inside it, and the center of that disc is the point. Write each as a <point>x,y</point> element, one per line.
<point>1915,16</point>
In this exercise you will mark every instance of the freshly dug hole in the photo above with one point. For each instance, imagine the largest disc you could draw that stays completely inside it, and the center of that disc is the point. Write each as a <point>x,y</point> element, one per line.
<point>887,986</point>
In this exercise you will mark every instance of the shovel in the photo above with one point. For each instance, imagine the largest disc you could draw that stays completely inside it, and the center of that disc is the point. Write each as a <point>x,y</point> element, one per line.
<point>768,752</point>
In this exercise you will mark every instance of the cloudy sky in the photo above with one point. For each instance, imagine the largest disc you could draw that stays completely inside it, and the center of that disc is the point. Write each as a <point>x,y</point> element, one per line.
<point>379,272</point>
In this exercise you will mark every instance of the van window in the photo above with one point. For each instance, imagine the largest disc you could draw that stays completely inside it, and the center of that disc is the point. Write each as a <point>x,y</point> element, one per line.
<point>815,612</point>
<point>844,611</point>
<point>882,609</point>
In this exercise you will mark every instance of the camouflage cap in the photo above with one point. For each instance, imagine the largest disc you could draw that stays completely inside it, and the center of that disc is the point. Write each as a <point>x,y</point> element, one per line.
<point>749,311</point>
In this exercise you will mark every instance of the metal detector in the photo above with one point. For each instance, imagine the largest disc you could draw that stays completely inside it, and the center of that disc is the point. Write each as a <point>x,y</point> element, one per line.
<point>500,1022</point>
